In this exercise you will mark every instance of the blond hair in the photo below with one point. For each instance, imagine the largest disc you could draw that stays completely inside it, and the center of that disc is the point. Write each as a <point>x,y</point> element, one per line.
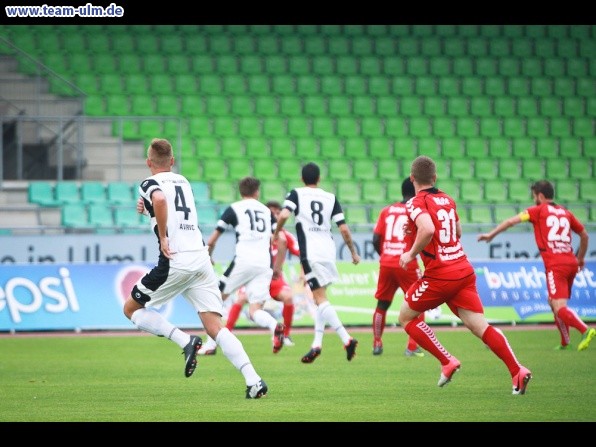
<point>160,152</point>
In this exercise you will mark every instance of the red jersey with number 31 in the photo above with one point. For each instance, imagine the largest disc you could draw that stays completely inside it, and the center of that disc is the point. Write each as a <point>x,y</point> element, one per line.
<point>553,225</point>
<point>444,256</point>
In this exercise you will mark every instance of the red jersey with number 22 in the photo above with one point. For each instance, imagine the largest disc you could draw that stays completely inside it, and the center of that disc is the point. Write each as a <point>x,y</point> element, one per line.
<point>552,230</point>
<point>444,256</point>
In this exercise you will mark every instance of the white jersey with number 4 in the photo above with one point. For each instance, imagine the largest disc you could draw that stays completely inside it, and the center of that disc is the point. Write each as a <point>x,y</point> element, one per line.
<point>314,211</point>
<point>184,234</point>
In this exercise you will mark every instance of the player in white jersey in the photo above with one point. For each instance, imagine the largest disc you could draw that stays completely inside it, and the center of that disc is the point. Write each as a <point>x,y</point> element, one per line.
<point>314,211</point>
<point>251,267</point>
<point>184,268</point>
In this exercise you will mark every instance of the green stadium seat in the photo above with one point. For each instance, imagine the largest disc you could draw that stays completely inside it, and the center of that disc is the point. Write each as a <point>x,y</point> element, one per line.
<point>570,147</point>
<point>429,146</point>
<point>477,47</point>
<point>167,105</point>
<point>388,169</point>
<point>394,66</point>
<point>509,168</point>
<point>299,65</point>
<point>494,86</point>
<point>523,147</point>
<point>490,127</point>
<point>395,126</point>
<point>267,44</point>
<point>499,147</point>
<point>550,107</point>
<point>581,168</point>
<point>239,168</point>
<point>265,168</point>
<point>440,66</point>
<point>387,106</point>
<point>201,64</point>
<point>471,191</point>
<point>461,168</point>
<point>452,147</point>
<point>323,127</point>
<point>274,64</point>
<point>224,126</point>
<point>210,84</point>
<point>566,191</point>
<point>266,106</point>
<point>299,126</point>
<point>563,86</point>
<point>142,105</point>
<point>191,106</point>
<point>371,127</point>
<point>199,126</point>
<point>232,147</point>
<point>347,127</point>
<point>434,106</point>
<point>331,85</point>
<point>402,85</point>
<point>504,106</point>
<point>249,126</point>
<point>283,84</point>
<point>355,85</point>
<point>384,46</point>
<point>214,169</point>
<point>449,186</point>
<point>378,86</point>
<point>537,127</point>
<point>533,169</point>
<point>380,148</point>
<point>348,192</point>
<point>561,127</point>
<point>553,67</point>
<point>445,30</point>
<point>339,106</point>
<point>486,66</point>
<point>67,192</point>
<point>499,47</point>
<point>242,106</point>
<point>323,65</point>
<point>454,46</point>
<point>217,106</point>
<point>363,106</point>
<point>556,169</point>
<point>508,66</point>
<point>485,169</point>
<point>373,191</point>
<point>527,106</point>
<point>41,193</point>
<point>583,127</point>
<point>425,86</point>
<point>503,212</point>
<point>461,66</point>
<point>457,106</point>
<point>513,127</point>
<point>330,148</point>
<point>471,86</point>
<point>355,148</point>
<point>233,84</point>
<point>587,191</point>
<point>275,126</point>
<point>256,147</point>
<point>74,215</point>
<point>481,215</point>
<point>522,48</point>
<point>513,31</point>
<point>411,105</point>
<point>519,190</point>
<point>100,216</point>
<point>466,127</point>
<point>532,67</point>
<point>420,126</point>
<point>291,106</point>
<point>573,106</point>
<point>370,66</point>
<point>546,147</point>
<point>121,193</point>
<point>481,106</point>
<point>307,148</point>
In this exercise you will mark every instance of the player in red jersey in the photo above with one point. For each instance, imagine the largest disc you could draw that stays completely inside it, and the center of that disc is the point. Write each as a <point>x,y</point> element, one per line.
<point>390,241</point>
<point>448,278</point>
<point>552,224</point>
<point>279,288</point>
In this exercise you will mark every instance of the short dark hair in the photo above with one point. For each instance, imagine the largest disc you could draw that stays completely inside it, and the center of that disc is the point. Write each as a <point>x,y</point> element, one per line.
<point>407,189</point>
<point>423,170</point>
<point>248,186</point>
<point>311,173</point>
<point>545,187</point>
<point>273,204</point>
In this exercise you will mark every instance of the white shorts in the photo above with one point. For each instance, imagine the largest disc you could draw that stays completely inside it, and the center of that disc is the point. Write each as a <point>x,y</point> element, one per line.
<point>198,287</point>
<point>255,280</point>
<point>320,274</point>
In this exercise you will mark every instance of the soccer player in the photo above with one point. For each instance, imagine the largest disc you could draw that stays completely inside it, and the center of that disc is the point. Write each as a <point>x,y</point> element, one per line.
<point>552,224</point>
<point>390,241</point>
<point>314,211</point>
<point>279,289</point>
<point>448,277</point>
<point>184,267</point>
<point>251,266</point>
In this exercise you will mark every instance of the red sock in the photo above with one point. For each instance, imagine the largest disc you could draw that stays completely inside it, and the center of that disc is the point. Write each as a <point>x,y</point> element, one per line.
<point>233,316</point>
<point>288,315</point>
<point>378,324</point>
<point>412,345</point>
<point>425,337</point>
<point>563,330</point>
<point>497,342</point>
<point>570,318</point>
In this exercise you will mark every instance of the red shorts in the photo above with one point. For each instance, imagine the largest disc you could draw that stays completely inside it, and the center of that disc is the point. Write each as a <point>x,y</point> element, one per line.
<point>428,293</point>
<point>559,280</point>
<point>276,286</point>
<point>393,278</point>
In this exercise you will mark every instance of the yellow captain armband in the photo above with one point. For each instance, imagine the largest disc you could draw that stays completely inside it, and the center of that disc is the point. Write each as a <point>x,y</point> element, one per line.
<point>524,216</point>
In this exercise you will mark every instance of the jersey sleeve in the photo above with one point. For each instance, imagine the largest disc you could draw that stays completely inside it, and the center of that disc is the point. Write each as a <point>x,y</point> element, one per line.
<point>291,201</point>
<point>228,218</point>
<point>337,215</point>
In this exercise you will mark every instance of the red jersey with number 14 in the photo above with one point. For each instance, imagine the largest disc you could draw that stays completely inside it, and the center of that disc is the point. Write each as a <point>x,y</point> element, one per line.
<point>394,241</point>
<point>444,256</point>
<point>553,225</point>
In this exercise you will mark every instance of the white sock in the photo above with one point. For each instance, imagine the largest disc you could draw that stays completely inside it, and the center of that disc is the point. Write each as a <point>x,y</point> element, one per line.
<point>264,319</point>
<point>149,320</point>
<point>319,330</point>
<point>329,315</point>
<point>234,351</point>
<point>210,343</point>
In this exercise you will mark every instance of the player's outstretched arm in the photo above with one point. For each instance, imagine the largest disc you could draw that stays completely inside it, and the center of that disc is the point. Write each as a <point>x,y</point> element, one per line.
<point>507,223</point>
